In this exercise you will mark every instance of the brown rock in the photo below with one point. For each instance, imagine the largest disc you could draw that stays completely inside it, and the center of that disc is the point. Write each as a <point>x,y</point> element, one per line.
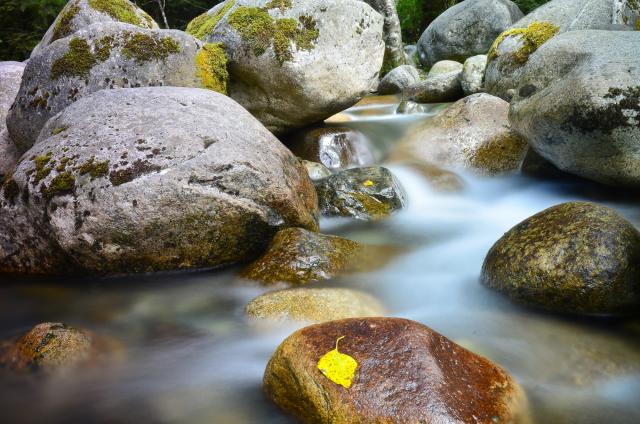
<point>406,373</point>
<point>439,179</point>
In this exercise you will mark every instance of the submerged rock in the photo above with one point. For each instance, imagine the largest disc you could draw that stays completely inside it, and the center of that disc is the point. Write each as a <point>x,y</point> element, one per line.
<point>466,29</point>
<point>578,105</point>
<point>143,194</point>
<point>296,63</point>
<point>363,193</point>
<point>105,56</point>
<point>405,373</point>
<point>334,147</point>
<point>472,77</point>
<point>438,88</point>
<point>473,133</point>
<point>399,79</point>
<point>313,305</point>
<point>297,256</point>
<point>79,14</point>
<point>10,78</point>
<point>575,257</point>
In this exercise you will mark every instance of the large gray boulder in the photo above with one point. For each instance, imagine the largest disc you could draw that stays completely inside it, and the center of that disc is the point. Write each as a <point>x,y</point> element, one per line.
<point>399,79</point>
<point>79,14</point>
<point>578,104</point>
<point>117,186</point>
<point>99,57</point>
<point>296,63</point>
<point>466,29</point>
<point>10,77</point>
<point>394,51</point>
<point>511,50</point>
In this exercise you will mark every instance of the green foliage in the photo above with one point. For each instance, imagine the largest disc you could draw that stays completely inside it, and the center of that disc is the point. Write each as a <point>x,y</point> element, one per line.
<point>528,5</point>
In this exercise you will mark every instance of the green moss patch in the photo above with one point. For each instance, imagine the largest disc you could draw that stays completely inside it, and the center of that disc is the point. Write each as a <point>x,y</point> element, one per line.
<point>122,11</point>
<point>279,4</point>
<point>94,169</point>
<point>10,189</point>
<point>143,48</point>
<point>61,184</point>
<point>211,65</point>
<point>42,168</point>
<point>77,62</point>
<point>532,37</point>
<point>63,24</point>
<point>204,24</point>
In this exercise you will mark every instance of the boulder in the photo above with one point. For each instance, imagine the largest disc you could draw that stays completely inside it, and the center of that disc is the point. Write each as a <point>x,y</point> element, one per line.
<point>445,67</point>
<point>334,147</point>
<point>466,29</point>
<point>119,187</point>
<point>10,78</point>
<point>404,373</point>
<point>312,305</point>
<point>578,105</point>
<point>363,193</point>
<point>398,80</point>
<point>297,256</point>
<point>472,77</point>
<point>316,171</point>
<point>79,14</point>
<point>104,56</point>
<point>575,257</point>
<point>394,51</point>
<point>473,133</point>
<point>438,88</point>
<point>511,50</point>
<point>296,63</point>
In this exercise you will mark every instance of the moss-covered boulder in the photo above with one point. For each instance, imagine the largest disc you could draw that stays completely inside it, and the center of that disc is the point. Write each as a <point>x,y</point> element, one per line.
<point>296,63</point>
<point>297,256</point>
<point>367,193</point>
<point>466,29</point>
<point>10,78</point>
<point>312,305</point>
<point>575,257</point>
<point>578,105</point>
<point>404,373</point>
<point>334,147</point>
<point>512,49</point>
<point>473,133</point>
<point>120,188</point>
<point>105,56</point>
<point>79,14</point>
<point>398,79</point>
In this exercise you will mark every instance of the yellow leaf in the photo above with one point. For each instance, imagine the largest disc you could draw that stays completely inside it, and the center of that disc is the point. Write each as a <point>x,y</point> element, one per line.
<point>338,367</point>
<point>368,183</point>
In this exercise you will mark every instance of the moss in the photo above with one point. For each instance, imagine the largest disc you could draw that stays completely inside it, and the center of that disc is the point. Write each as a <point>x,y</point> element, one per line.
<point>59,130</point>
<point>61,184</point>
<point>532,37</point>
<point>76,62</point>
<point>42,170</point>
<point>121,10</point>
<point>143,48</point>
<point>255,26</point>
<point>138,168</point>
<point>10,189</point>
<point>63,24</point>
<point>279,4</point>
<point>95,169</point>
<point>204,24</point>
<point>103,48</point>
<point>211,65</point>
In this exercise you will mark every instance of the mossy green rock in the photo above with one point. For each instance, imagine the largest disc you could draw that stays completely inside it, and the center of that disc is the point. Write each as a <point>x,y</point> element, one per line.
<point>575,257</point>
<point>79,14</point>
<point>367,193</point>
<point>105,56</point>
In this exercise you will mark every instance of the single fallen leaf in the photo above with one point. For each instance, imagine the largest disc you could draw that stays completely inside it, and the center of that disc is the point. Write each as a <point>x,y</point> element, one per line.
<point>368,183</point>
<point>338,367</point>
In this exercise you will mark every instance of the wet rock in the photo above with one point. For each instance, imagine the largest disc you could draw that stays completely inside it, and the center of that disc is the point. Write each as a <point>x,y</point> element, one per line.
<point>49,347</point>
<point>275,49</point>
<point>437,88</point>
<point>445,67</point>
<point>466,29</point>
<point>578,105</point>
<point>439,179</point>
<point>79,14</point>
<point>363,193</point>
<point>537,166</point>
<point>408,107</point>
<point>316,171</point>
<point>473,133</point>
<point>105,56</point>
<point>575,257</point>
<point>313,305</point>
<point>143,194</point>
<point>406,373</point>
<point>297,256</point>
<point>472,78</point>
<point>512,49</point>
<point>10,78</point>
<point>399,79</point>
<point>334,147</point>
<point>394,53</point>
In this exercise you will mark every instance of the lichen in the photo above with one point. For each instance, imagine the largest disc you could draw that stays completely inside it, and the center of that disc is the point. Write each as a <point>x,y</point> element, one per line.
<point>63,24</point>
<point>143,48</point>
<point>211,65</point>
<point>94,169</point>
<point>204,24</point>
<point>76,62</point>
<point>531,37</point>
<point>61,184</point>
<point>122,11</point>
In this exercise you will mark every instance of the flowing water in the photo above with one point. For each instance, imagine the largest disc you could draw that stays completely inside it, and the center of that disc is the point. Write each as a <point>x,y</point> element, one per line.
<point>187,355</point>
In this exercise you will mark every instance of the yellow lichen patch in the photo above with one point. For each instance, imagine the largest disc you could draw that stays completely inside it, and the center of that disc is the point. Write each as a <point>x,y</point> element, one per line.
<point>338,367</point>
<point>211,65</point>
<point>532,37</point>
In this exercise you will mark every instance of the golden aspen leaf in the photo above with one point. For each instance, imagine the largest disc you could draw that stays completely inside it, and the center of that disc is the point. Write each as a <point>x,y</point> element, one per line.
<point>338,367</point>
<point>368,183</point>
